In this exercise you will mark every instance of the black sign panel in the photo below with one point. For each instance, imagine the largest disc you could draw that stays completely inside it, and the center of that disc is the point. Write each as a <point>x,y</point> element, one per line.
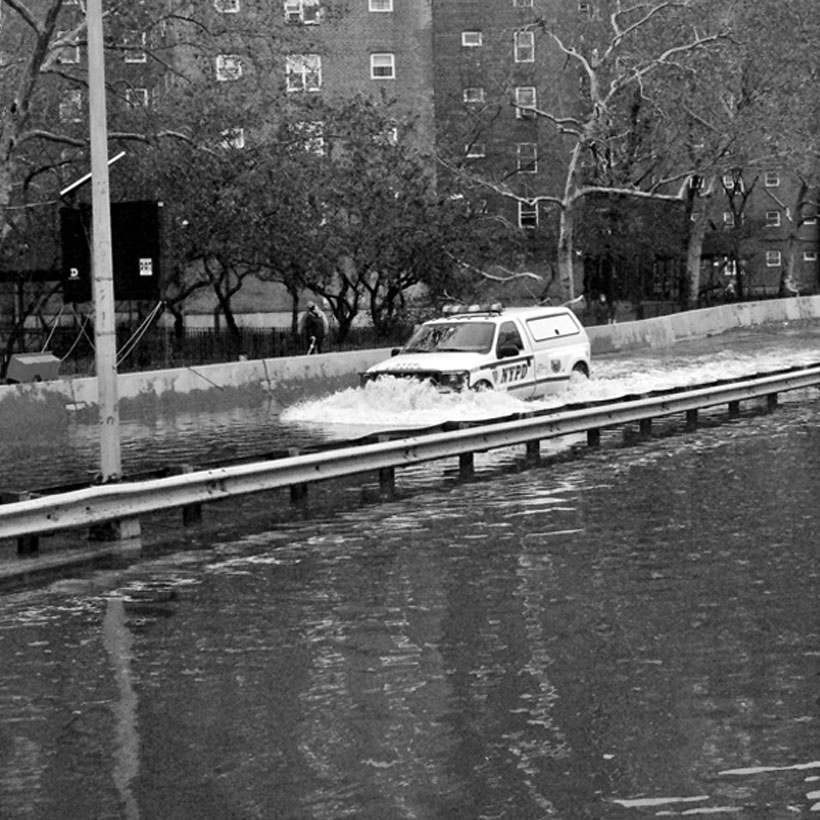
<point>135,246</point>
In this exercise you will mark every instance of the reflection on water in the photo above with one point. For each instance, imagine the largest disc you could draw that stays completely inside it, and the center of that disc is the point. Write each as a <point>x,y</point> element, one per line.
<point>118,641</point>
<point>623,635</point>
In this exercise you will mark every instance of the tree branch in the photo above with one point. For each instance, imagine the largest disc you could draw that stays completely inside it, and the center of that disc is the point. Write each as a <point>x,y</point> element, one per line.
<point>25,13</point>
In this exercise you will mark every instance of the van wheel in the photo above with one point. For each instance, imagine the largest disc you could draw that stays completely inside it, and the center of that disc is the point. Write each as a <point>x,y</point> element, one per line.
<point>579,373</point>
<point>482,387</point>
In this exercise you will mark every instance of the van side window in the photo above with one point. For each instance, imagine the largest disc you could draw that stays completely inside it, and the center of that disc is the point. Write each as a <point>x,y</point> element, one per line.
<point>508,335</point>
<point>552,326</point>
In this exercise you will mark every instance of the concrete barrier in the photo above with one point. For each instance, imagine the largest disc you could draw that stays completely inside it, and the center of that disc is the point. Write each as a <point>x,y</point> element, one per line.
<point>34,407</point>
<point>662,331</point>
<point>29,409</point>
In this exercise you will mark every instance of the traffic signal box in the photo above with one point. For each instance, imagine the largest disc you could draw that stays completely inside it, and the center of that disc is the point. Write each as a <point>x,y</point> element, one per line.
<point>135,243</point>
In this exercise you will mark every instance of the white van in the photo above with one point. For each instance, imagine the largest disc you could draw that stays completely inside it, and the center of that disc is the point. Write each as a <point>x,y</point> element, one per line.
<point>527,351</point>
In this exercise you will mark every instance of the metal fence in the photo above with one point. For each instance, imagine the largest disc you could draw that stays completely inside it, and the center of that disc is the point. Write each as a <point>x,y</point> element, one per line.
<point>161,347</point>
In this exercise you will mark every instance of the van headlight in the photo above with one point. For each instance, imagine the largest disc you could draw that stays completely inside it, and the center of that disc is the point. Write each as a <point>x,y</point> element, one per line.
<point>456,380</point>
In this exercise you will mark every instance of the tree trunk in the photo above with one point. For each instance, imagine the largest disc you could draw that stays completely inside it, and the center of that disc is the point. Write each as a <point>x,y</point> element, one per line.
<point>788,283</point>
<point>294,309</point>
<point>566,255</point>
<point>694,251</point>
<point>695,221</point>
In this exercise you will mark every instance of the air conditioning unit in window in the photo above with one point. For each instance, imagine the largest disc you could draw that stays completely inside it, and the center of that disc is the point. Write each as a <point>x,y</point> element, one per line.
<point>293,11</point>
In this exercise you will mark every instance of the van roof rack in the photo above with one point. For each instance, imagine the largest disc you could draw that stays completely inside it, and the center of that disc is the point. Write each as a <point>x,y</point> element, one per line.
<point>461,310</point>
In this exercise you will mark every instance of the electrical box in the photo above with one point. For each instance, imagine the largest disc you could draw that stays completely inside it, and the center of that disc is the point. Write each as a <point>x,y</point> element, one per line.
<point>32,367</point>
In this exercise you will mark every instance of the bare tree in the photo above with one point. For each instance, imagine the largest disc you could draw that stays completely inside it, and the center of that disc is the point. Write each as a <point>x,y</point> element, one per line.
<point>625,61</point>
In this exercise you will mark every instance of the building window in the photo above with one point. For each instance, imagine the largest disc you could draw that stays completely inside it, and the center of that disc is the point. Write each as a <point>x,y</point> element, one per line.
<point>227,6</point>
<point>382,66</point>
<point>527,157</point>
<point>381,5</point>
<point>475,150</point>
<point>474,95</point>
<point>728,219</point>
<point>520,4</point>
<point>772,259</point>
<point>307,12</point>
<point>309,137</point>
<point>135,49</point>
<point>771,179</point>
<point>228,67</point>
<point>303,72</point>
<point>524,47</point>
<point>233,138</point>
<point>472,39</point>
<point>71,105</point>
<point>525,101</point>
<point>733,183</point>
<point>585,9</point>
<point>810,256</point>
<point>389,136</point>
<point>69,53</point>
<point>772,219</point>
<point>136,97</point>
<point>527,215</point>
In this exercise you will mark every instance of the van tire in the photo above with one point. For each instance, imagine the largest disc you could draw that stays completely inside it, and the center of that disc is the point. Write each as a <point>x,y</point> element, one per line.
<point>482,386</point>
<point>580,371</point>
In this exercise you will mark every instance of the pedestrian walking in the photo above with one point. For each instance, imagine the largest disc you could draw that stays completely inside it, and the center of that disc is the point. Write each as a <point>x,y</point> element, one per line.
<point>313,327</point>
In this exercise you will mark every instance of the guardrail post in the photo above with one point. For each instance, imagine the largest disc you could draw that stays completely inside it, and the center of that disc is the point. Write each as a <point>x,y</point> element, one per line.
<point>126,531</point>
<point>298,495</point>
<point>298,492</point>
<point>771,402</point>
<point>466,465</point>
<point>594,437</point>
<point>734,409</point>
<point>387,476</point>
<point>191,513</point>
<point>645,426</point>
<point>534,451</point>
<point>26,544</point>
<point>387,482</point>
<point>692,419</point>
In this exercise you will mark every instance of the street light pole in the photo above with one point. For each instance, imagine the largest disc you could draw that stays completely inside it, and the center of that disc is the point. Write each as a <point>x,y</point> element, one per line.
<point>105,329</point>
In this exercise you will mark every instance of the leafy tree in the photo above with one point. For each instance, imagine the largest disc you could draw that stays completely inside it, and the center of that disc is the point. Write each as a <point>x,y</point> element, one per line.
<point>356,216</point>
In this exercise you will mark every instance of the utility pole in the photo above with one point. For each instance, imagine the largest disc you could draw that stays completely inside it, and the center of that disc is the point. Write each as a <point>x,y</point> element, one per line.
<point>105,326</point>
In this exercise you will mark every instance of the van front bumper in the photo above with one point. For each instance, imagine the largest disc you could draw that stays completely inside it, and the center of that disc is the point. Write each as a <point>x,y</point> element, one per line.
<point>449,382</point>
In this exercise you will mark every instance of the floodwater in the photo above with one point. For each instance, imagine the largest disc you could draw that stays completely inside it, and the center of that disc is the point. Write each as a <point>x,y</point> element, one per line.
<point>631,632</point>
<point>71,454</point>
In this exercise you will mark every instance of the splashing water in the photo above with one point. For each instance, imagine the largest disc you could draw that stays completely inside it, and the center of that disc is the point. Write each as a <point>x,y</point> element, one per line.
<point>394,403</point>
<point>405,403</point>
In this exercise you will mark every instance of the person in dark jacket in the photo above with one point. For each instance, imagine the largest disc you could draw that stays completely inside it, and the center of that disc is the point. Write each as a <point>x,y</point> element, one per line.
<point>313,327</point>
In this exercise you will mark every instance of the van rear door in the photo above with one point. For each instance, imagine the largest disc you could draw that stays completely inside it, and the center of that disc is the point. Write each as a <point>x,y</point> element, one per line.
<point>558,339</point>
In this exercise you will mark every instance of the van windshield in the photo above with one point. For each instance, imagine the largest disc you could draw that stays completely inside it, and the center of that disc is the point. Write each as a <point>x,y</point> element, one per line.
<point>462,337</point>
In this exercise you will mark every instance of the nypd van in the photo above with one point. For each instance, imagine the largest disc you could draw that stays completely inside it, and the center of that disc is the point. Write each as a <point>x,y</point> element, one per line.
<point>527,351</point>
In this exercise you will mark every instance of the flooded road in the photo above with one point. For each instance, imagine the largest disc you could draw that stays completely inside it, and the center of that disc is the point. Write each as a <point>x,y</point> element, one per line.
<point>71,454</point>
<point>630,633</point>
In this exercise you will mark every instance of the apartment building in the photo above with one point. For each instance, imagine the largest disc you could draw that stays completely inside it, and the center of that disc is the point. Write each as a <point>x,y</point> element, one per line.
<point>300,48</point>
<point>470,74</point>
<point>493,68</point>
<point>765,221</point>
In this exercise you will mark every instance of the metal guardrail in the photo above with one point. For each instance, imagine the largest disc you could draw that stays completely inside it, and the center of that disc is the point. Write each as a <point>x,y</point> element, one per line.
<point>130,500</point>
